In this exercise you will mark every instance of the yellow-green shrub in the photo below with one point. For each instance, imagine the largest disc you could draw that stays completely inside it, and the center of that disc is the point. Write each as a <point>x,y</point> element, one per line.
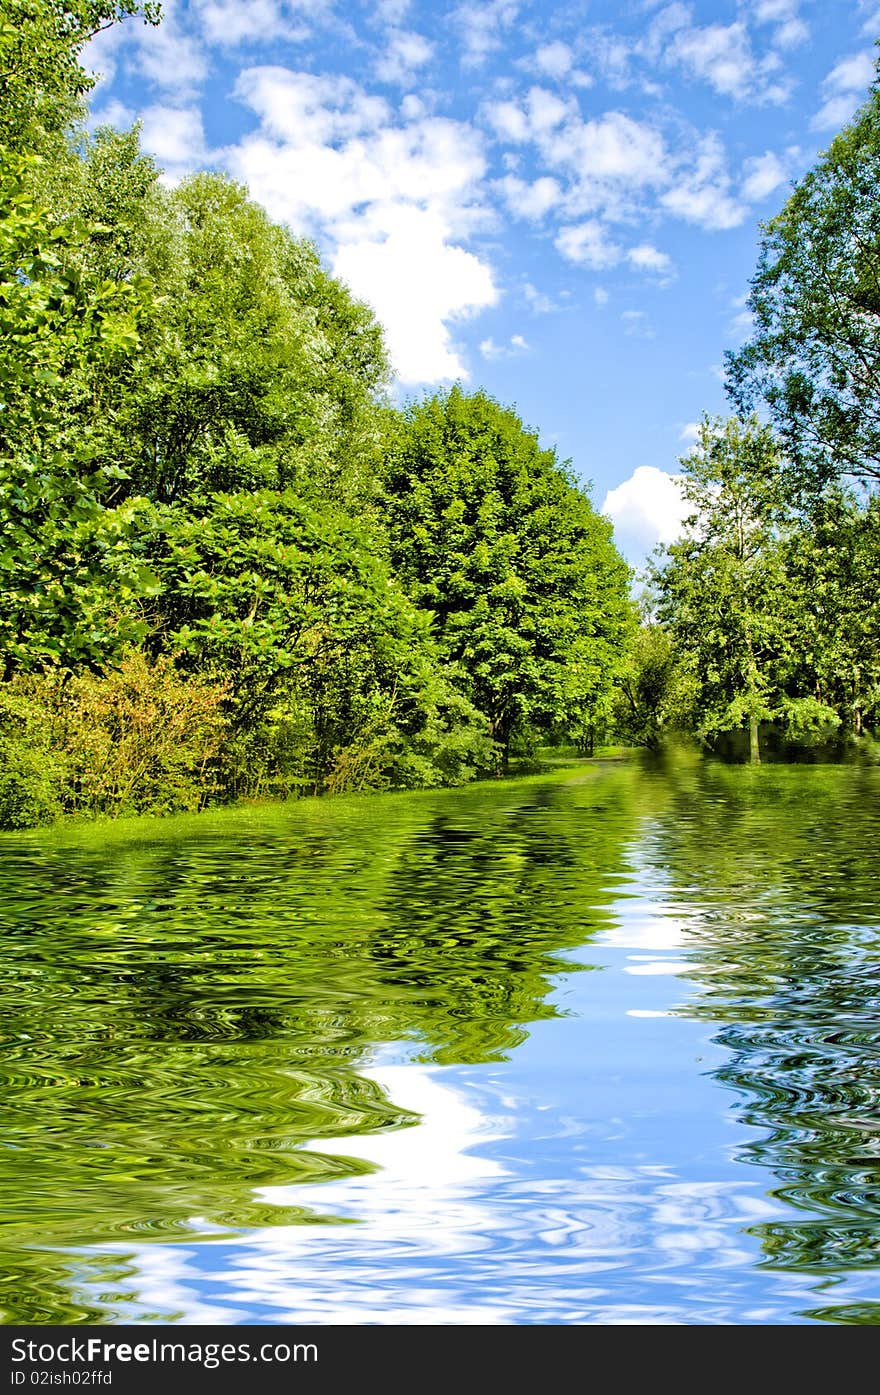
<point>139,738</point>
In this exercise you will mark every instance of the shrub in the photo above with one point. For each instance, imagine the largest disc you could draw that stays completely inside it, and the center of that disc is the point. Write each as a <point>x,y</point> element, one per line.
<point>139,738</point>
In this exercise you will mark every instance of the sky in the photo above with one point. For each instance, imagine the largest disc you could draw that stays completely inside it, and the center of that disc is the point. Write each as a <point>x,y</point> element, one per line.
<point>556,202</point>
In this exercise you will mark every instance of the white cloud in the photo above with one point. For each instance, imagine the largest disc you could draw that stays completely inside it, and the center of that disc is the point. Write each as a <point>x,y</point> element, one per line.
<point>509,121</point>
<point>113,113</point>
<point>871,26</point>
<point>176,137</point>
<point>230,24</point>
<point>605,164</point>
<point>689,432</point>
<point>480,26</point>
<point>648,258</point>
<point>587,244</point>
<point>637,325</point>
<point>404,54</point>
<point>391,11</point>
<point>702,194</point>
<point>555,59</point>
<point>611,147</point>
<point>791,28</point>
<point>100,55</point>
<point>515,345</point>
<point>532,201</point>
<point>743,321</point>
<point>648,507</point>
<point>600,297</point>
<point>167,55</point>
<point>762,174</point>
<point>718,54</point>
<point>392,203</point>
<point>844,89</point>
<point>538,301</point>
<point>417,281</point>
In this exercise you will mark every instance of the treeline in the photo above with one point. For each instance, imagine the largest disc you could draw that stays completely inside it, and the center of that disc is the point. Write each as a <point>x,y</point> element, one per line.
<point>229,566</point>
<point>762,624</point>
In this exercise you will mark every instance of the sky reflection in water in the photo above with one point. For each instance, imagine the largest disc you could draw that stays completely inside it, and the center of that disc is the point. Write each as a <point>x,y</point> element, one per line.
<point>596,1047</point>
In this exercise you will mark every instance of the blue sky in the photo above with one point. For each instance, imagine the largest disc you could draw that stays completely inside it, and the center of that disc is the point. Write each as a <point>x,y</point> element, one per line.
<point>556,202</point>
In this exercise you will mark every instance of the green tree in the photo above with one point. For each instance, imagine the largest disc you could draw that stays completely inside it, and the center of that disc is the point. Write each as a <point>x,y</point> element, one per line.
<point>257,369</point>
<point>814,357</point>
<point>832,567</point>
<point>333,675</point>
<point>724,592</point>
<point>489,534</point>
<point>654,691</point>
<point>67,564</point>
<point>42,81</point>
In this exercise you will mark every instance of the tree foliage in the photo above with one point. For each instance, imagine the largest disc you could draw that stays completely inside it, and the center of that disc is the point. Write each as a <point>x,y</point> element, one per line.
<point>41,77</point>
<point>490,535</point>
<point>814,357</point>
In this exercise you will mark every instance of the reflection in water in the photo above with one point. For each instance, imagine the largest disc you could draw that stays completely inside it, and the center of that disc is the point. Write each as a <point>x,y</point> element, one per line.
<point>790,965</point>
<point>601,1046</point>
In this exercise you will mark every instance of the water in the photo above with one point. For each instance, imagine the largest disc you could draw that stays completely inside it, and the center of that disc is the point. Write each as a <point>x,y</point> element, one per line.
<point>600,1046</point>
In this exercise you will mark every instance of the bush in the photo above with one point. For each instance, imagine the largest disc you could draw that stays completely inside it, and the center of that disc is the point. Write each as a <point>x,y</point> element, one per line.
<point>137,739</point>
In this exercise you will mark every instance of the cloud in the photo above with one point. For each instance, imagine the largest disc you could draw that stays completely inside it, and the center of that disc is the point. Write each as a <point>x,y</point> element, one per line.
<point>531,201</point>
<point>648,258</point>
<point>871,26</point>
<point>718,54</point>
<point>791,29</point>
<point>555,59</point>
<point>689,432</point>
<point>606,163</point>
<point>231,24</point>
<point>417,282</point>
<point>637,325</point>
<point>113,113</point>
<point>844,89</point>
<point>167,56</point>
<point>648,508</point>
<point>514,346</point>
<point>587,244</point>
<point>391,200</point>
<point>600,297</point>
<point>743,322</point>
<point>480,27</point>
<point>702,194</point>
<point>762,175</point>
<point>404,54</point>
<point>538,301</point>
<point>176,137</point>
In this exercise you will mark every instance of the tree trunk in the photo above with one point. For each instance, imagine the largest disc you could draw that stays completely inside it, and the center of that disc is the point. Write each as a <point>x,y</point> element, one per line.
<point>754,742</point>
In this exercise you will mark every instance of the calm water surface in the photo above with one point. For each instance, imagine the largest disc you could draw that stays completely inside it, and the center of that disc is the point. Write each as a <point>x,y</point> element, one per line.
<point>600,1046</point>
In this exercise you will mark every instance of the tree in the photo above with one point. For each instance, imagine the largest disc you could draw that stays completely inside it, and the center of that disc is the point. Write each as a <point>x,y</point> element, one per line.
<point>832,567</point>
<point>67,566</point>
<point>257,369</point>
<point>814,358</point>
<point>332,674</point>
<point>41,79</point>
<point>654,692</point>
<point>489,534</point>
<point>724,590</point>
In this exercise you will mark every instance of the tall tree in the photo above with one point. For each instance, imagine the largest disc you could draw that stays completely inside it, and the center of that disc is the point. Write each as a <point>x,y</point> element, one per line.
<point>814,358</point>
<point>42,81</point>
<point>65,558</point>
<point>832,569</point>
<point>490,534</point>
<point>723,590</point>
